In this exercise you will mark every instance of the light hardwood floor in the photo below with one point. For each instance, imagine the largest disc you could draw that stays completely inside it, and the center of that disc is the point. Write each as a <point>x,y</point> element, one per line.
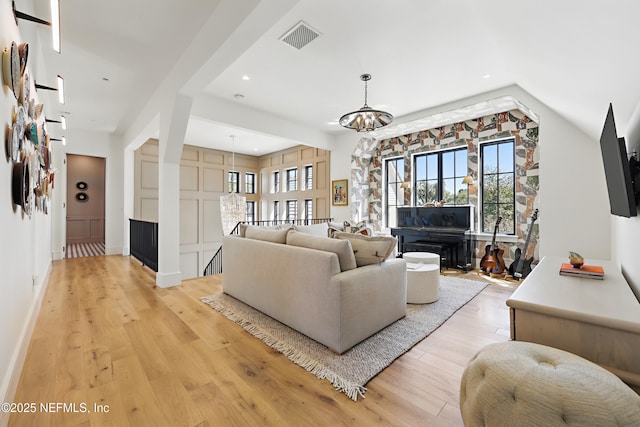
<point>148,356</point>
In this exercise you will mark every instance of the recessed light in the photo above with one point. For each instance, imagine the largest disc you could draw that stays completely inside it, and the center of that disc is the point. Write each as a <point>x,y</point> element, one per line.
<point>486,76</point>
<point>245,77</point>
<point>238,96</point>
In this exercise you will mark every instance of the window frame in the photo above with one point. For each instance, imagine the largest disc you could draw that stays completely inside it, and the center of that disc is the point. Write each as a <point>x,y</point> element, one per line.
<point>250,215</point>
<point>289,204</point>
<point>276,181</point>
<point>230,182</point>
<point>440,185</point>
<point>250,184</point>
<point>289,180</point>
<point>308,209</point>
<point>308,177</point>
<point>397,184</point>
<point>489,228</point>
<point>276,210</point>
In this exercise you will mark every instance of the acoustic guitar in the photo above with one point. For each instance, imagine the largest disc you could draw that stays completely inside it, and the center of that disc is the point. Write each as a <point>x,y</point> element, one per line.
<point>492,261</point>
<point>521,265</point>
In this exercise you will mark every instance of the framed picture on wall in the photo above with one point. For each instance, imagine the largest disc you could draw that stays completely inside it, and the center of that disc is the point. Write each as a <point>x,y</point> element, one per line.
<point>339,192</point>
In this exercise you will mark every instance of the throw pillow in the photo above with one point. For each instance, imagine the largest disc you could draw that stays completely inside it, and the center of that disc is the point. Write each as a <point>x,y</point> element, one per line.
<point>268,235</point>
<point>344,251</point>
<point>359,228</point>
<point>334,227</point>
<point>369,250</point>
<point>321,229</point>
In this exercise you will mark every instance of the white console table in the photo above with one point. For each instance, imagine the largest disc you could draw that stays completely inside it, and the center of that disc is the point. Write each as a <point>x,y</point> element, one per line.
<point>596,319</point>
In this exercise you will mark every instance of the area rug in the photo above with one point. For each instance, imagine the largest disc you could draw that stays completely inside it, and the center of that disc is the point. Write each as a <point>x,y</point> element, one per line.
<point>350,372</point>
<point>78,250</point>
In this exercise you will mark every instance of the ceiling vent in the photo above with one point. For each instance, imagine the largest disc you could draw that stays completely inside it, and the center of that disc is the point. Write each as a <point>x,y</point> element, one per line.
<point>300,35</point>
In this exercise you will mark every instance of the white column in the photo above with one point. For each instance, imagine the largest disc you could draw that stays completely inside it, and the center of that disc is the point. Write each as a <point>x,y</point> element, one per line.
<point>173,125</point>
<point>128,190</point>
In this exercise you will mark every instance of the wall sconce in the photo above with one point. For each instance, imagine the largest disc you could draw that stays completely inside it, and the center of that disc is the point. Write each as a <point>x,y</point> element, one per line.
<point>60,89</point>
<point>54,24</point>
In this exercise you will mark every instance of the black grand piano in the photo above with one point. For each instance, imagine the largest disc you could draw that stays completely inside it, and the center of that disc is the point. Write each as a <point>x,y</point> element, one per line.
<point>443,230</point>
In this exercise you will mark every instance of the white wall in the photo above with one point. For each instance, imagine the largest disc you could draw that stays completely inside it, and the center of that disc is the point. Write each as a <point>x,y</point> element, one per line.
<point>573,201</point>
<point>626,231</point>
<point>25,252</point>
<point>341,168</point>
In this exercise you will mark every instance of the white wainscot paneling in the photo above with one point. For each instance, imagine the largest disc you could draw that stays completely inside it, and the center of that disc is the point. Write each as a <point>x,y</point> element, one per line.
<point>149,209</point>
<point>189,178</point>
<point>189,265</point>
<point>188,221</point>
<point>149,175</point>
<point>212,223</point>
<point>213,180</point>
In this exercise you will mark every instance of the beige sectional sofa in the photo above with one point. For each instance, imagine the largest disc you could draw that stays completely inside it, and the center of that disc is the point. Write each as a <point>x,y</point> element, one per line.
<point>313,285</point>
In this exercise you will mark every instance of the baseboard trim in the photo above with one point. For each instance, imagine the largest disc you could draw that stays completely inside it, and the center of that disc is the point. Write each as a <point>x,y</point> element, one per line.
<point>166,280</point>
<point>113,250</point>
<point>9,388</point>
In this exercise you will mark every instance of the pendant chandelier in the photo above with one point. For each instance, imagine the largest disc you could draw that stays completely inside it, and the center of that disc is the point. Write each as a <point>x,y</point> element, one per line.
<point>233,206</point>
<point>366,118</point>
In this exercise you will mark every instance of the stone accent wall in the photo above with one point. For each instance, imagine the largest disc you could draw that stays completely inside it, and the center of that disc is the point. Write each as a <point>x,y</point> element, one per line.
<point>369,156</point>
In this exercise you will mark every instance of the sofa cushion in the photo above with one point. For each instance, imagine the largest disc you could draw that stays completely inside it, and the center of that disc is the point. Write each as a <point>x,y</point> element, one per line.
<point>369,250</point>
<point>342,248</point>
<point>266,234</point>
<point>321,229</point>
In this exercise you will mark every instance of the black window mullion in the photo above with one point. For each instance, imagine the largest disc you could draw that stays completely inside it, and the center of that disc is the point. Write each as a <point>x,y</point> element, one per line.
<point>499,204</point>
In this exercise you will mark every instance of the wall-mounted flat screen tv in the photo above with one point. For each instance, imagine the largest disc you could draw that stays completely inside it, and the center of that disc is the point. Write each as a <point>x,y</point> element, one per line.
<point>616,169</point>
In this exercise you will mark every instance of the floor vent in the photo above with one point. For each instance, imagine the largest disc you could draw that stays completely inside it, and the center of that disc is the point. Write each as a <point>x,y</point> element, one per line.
<point>300,35</point>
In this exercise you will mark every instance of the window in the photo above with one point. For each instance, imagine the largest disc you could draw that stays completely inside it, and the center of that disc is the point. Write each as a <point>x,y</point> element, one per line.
<point>250,183</point>
<point>292,210</point>
<point>498,185</point>
<point>234,182</point>
<point>276,210</point>
<point>395,192</point>
<point>308,210</point>
<point>276,182</point>
<point>251,212</point>
<point>438,176</point>
<point>308,177</point>
<point>292,179</point>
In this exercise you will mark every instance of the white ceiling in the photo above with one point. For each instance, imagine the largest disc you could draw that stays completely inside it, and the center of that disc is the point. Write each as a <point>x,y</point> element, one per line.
<point>575,56</point>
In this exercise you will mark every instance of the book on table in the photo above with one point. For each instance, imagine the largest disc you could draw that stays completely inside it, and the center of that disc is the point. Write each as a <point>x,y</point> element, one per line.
<point>587,271</point>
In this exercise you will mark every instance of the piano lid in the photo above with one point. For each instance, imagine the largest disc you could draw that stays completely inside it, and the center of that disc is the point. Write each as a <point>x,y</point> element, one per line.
<point>429,216</point>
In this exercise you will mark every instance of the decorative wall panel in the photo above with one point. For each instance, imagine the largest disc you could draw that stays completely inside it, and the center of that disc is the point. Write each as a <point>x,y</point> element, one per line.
<point>149,175</point>
<point>189,178</point>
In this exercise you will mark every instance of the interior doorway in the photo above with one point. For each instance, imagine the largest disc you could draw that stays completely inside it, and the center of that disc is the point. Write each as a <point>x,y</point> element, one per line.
<point>85,206</point>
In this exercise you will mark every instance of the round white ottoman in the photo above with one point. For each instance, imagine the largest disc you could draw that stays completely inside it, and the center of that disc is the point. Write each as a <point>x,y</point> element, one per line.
<point>422,257</point>
<point>423,284</point>
<point>525,384</point>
